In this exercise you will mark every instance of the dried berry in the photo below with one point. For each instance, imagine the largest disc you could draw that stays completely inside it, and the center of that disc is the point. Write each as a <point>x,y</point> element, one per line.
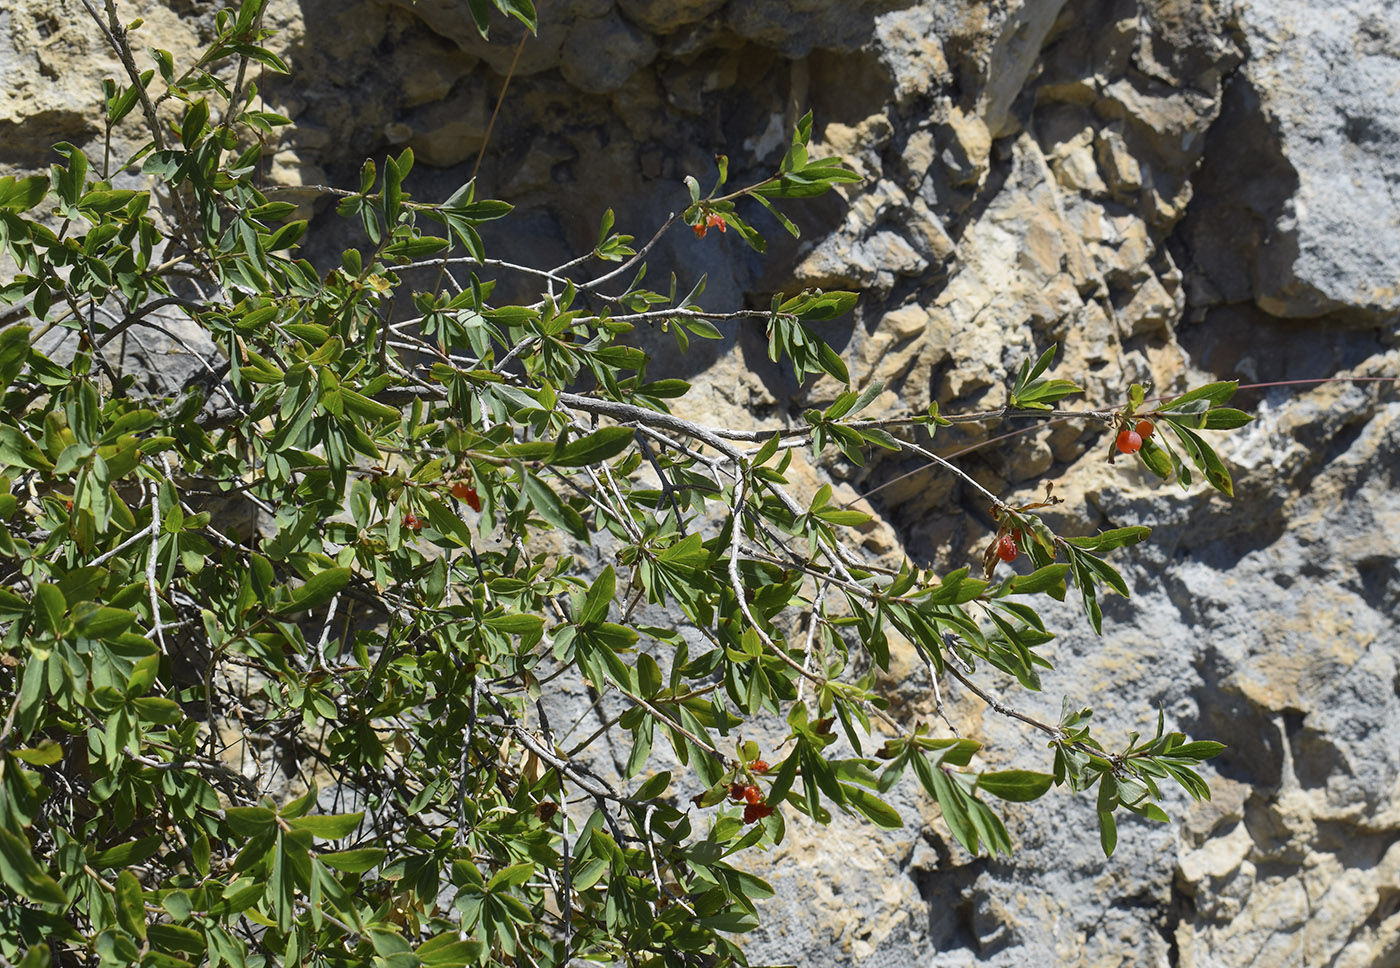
<point>756,811</point>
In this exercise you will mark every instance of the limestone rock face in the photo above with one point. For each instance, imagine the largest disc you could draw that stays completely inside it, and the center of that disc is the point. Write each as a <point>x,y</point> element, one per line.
<point>1171,190</point>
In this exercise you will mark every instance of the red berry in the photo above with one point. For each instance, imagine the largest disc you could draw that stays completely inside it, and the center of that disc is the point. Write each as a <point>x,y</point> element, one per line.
<point>752,794</point>
<point>736,791</point>
<point>465,493</point>
<point>1145,428</point>
<point>756,811</point>
<point>717,222</point>
<point>759,766</point>
<point>1129,441</point>
<point>699,228</point>
<point>411,522</point>
<point>1006,548</point>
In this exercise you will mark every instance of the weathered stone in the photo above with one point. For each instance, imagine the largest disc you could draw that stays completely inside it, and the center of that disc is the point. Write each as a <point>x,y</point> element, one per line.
<point>1120,168</point>
<point>966,154</point>
<point>451,131</point>
<point>666,16</point>
<point>1327,83</point>
<point>602,53</point>
<point>507,39</point>
<point>1012,58</point>
<point>910,47</point>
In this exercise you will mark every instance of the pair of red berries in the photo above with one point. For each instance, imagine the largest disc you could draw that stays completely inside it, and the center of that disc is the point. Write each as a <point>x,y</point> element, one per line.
<point>1130,441</point>
<point>744,793</point>
<point>1007,546</point>
<point>755,812</point>
<point>465,493</point>
<point>752,798</point>
<point>710,221</point>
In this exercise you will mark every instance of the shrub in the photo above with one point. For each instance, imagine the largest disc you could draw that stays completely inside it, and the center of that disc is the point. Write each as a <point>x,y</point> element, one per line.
<point>327,551</point>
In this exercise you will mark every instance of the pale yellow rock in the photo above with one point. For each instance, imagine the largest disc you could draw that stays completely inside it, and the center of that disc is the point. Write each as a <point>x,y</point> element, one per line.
<point>1075,166</point>
<point>1120,168</point>
<point>905,322</point>
<point>966,157</point>
<point>1151,310</point>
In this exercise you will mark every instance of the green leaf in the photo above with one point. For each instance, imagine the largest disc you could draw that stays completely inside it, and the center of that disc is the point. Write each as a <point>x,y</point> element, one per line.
<point>14,352</point>
<point>193,125</point>
<point>653,787</point>
<point>22,194</point>
<point>101,622</point>
<point>365,407</point>
<point>327,827</point>
<point>1108,832</point>
<point>1109,540</point>
<point>178,905</point>
<point>512,876</point>
<point>250,821</point>
<point>46,753</point>
<point>22,873</point>
<point>548,505</point>
<point>1200,750</point>
<point>1155,458</point>
<point>49,608</point>
<point>1204,457</point>
<point>1224,418</point>
<point>594,448</point>
<point>354,861</point>
<point>1216,393</point>
<point>820,306</point>
<point>1040,580</point>
<point>599,598</point>
<point>874,809</point>
<point>125,855</point>
<point>1017,786</point>
<point>319,589</point>
<point>131,910</point>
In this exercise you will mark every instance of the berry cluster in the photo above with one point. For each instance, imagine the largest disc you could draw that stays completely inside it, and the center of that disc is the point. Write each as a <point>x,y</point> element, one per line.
<point>712,220</point>
<point>751,796</point>
<point>1130,441</point>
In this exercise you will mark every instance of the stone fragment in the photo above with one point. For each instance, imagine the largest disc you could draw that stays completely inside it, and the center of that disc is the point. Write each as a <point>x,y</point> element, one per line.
<point>428,67</point>
<point>912,51</point>
<point>451,131</point>
<point>1012,58</point>
<point>1075,166</point>
<point>666,16</point>
<point>965,156</point>
<point>602,53</point>
<point>1120,168</point>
